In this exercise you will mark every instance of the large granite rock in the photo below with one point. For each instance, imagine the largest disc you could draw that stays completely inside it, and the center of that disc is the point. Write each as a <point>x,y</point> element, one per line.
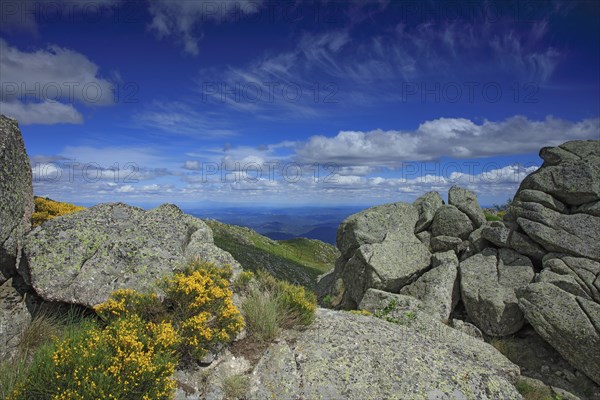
<point>488,282</point>
<point>437,288</point>
<point>379,250</point>
<point>450,221</point>
<point>570,173</point>
<point>466,201</point>
<point>570,323</point>
<point>375,359</point>
<point>427,205</point>
<point>81,258</point>
<point>16,196</point>
<point>564,308</point>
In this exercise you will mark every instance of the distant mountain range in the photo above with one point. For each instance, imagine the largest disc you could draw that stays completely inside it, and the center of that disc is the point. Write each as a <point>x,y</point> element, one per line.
<point>318,223</point>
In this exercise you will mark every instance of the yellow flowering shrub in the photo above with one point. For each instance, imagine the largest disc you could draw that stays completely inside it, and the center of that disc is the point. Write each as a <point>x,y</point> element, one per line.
<point>128,359</point>
<point>197,304</point>
<point>202,307</point>
<point>46,209</point>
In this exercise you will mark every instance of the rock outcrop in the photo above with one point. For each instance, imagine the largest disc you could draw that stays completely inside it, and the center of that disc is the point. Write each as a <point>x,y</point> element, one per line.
<point>16,196</point>
<point>375,359</point>
<point>540,262</point>
<point>379,250</point>
<point>82,257</point>
<point>564,308</point>
<point>554,216</point>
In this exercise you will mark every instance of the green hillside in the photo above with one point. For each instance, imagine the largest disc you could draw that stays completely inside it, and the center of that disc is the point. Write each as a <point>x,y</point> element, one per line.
<point>299,261</point>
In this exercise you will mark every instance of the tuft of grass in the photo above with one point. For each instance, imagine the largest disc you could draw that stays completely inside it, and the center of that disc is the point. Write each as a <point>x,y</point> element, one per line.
<point>263,312</point>
<point>12,372</point>
<point>299,303</point>
<point>272,304</point>
<point>235,387</point>
<point>40,330</point>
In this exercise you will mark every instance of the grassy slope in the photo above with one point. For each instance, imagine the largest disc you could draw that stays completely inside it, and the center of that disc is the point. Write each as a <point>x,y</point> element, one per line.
<point>297,261</point>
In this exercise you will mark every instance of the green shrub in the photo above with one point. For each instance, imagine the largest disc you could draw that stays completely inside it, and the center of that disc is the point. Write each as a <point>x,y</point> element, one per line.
<point>327,301</point>
<point>132,352</point>
<point>300,305</point>
<point>492,217</point>
<point>404,319</point>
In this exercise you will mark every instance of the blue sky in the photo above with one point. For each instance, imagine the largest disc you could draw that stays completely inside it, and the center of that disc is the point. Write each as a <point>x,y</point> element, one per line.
<point>291,103</point>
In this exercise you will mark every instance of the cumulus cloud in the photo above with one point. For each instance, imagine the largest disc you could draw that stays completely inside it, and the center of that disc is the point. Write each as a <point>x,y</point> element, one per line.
<point>41,86</point>
<point>445,137</point>
<point>182,19</point>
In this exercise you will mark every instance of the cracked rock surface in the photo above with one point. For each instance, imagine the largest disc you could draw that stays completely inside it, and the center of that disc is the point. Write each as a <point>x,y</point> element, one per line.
<point>375,359</point>
<point>488,283</point>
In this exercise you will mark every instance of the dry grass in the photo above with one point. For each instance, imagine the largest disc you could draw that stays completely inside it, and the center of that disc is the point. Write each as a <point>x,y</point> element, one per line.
<point>235,387</point>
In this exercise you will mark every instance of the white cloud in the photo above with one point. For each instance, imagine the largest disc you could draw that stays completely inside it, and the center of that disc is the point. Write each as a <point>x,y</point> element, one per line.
<point>54,73</point>
<point>182,19</point>
<point>40,87</point>
<point>441,138</point>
